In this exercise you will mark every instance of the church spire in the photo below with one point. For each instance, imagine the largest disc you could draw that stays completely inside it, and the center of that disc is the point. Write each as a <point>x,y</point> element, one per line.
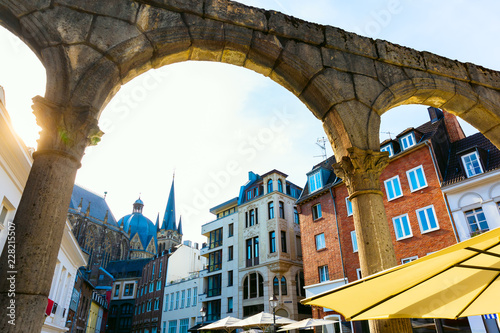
<point>169,216</point>
<point>179,229</point>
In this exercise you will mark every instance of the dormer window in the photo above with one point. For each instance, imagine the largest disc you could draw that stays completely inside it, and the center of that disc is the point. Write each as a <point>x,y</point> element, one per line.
<point>471,164</point>
<point>407,141</point>
<point>388,148</point>
<point>315,182</point>
<point>249,195</point>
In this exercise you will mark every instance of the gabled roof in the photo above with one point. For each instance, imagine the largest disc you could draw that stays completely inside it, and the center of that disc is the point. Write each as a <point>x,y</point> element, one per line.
<point>127,268</point>
<point>98,205</point>
<point>454,171</point>
<point>330,182</point>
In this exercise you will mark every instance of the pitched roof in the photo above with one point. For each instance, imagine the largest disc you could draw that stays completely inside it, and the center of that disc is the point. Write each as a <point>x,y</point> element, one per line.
<point>454,171</point>
<point>127,268</point>
<point>98,205</point>
<point>428,130</point>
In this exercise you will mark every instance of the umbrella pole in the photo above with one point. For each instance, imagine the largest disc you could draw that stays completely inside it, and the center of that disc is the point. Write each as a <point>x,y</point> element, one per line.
<point>439,325</point>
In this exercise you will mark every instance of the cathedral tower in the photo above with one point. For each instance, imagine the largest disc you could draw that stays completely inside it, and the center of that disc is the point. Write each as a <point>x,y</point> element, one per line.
<point>169,235</point>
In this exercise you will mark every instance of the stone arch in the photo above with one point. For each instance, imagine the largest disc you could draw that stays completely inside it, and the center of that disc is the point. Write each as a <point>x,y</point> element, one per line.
<point>494,191</point>
<point>454,96</point>
<point>469,199</point>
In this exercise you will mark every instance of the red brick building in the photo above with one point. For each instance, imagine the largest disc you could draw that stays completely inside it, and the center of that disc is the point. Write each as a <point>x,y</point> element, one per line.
<point>416,210</point>
<point>149,301</point>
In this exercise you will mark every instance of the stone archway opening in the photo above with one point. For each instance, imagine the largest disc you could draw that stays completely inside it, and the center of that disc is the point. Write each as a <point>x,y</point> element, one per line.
<point>345,80</point>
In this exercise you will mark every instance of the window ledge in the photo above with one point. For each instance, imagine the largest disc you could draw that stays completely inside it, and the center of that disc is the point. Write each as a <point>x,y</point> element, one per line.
<point>319,219</point>
<point>321,250</point>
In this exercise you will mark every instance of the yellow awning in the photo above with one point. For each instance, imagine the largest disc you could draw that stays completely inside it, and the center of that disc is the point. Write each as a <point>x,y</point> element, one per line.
<point>461,280</point>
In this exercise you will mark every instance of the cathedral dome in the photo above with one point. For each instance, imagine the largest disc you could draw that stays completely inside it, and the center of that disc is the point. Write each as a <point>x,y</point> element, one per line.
<point>137,223</point>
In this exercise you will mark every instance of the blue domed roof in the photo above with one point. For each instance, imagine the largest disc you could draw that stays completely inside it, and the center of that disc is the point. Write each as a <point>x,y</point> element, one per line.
<point>140,224</point>
<point>139,201</point>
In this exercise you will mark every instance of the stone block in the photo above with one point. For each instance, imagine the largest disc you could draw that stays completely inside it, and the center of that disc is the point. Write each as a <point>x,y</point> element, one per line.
<point>483,76</point>
<point>445,90</point>
<point>367,89</point>
<point>489,97</point>
<point>399,55</point>
<point>167,32</point>
<point>187,6</point>
<point>152,18</point>
<point>238,40</point>
<point>72,26</point>
<point>389,74</point>
<point>444,66</point>
<point>21,8</point>
<point>131,54</point>
<point>236,13</point>
<point>327,89</point>
<point>264,53</point>
<point>108,32</point>
<point>97,84</point>
<point>347,41</point>
<point>298,63</point>
<point>494,135</point>
<point>37,31</point>
<point>121,9</point>
<point>483,120</point>
<point>348,62</point>
<point>293,28</point>
<point>80,58</point>
<point>207,38</point>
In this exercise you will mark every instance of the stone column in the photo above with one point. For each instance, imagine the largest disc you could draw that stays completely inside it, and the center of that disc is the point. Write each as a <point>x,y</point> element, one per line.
<point>361,170</point>
<point>38,226</point>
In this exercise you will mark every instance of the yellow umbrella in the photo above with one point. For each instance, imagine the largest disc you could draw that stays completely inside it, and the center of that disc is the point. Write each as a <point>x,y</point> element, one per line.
<point>458,281</point>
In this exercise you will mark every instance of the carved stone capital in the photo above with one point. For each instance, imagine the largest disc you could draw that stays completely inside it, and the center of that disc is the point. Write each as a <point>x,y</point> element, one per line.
<point>66,130</point>
<point>361,170</point>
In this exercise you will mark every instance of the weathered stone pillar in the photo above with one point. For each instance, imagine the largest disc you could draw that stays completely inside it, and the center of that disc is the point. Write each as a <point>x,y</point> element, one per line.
<point>29,258</point>
<point>361,170</point>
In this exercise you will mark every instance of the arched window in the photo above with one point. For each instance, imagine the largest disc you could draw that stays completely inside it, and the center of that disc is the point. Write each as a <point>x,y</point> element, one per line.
<point>280,186</point>
<point>284,290</point>
<point>269,186</point>
<point>253,286</point>
<point>276,286</point>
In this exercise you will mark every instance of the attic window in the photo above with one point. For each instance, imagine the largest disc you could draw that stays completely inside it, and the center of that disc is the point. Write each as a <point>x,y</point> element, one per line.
<point>388,148</point>
<point>471,164</point>
<point>407,141</point>
<point>315,182</point>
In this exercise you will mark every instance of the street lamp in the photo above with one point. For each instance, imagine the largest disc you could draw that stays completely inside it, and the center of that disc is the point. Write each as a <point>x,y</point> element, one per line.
<point>273,302</point>
<point>203,312</point>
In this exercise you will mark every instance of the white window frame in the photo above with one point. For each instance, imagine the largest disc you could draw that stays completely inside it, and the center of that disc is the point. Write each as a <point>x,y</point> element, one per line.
<point>404,142</point>
<point>354,241</point>
<point>319,214</point>
<point>323,271</point>
<point>425,209</point>
<point>388,148</point>
<point>348,205</point>
<point>389,183</point>
<point>478,159</point>
<point>420,186</point>
<point>409,259</point>
<point>359,274</point>
<point>320,241</point>
<point>399,220</point>
<point>315,181</point>
<point>475,212</point>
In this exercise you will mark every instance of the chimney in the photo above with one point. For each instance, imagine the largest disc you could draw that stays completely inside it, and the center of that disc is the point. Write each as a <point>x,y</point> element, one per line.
<point>435,114</point>
<point>453,127</point>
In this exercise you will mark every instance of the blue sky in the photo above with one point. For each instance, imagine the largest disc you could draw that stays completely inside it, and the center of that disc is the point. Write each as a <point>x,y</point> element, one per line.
<point>212,123</point>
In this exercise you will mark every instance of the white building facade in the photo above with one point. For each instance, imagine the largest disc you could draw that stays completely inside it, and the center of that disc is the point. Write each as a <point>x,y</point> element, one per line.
<point>220,278</point>
<point>69,259</point>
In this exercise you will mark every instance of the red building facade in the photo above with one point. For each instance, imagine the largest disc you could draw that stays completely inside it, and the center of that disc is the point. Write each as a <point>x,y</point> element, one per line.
<point>415,207</point>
